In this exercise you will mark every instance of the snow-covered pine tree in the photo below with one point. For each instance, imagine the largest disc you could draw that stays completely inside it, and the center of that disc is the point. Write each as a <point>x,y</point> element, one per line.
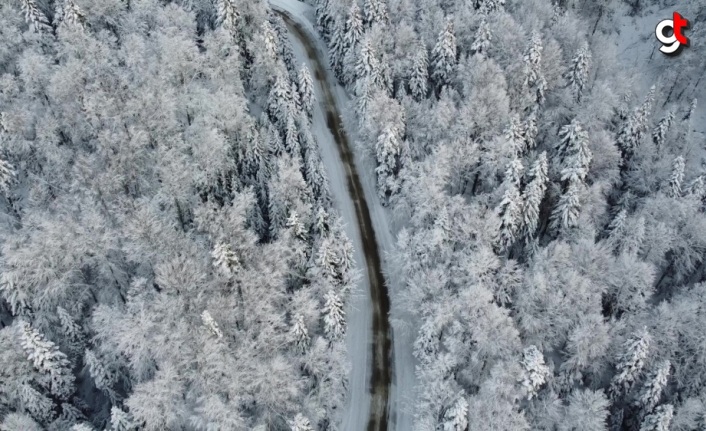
<point>633,130</point>
<point>676,178</point>
<point>210,323</point>
<point>652,391</point>
<point>660,131</point>
<point>7,176</point>
<point>337,48</point>
<point>300,334</point>
<point>483,38</point>
<point>531,130</point>
<point>387,151</point>
<point>577,74</point>
<point>419,75</point>
<point>280,101</point>
<point>225,259</point>
<point>456,416</point>
<point>696,188</point>
<point>291,137</point>
<point>34,16</point>
<point>509,215</point>
<point>69,14</point>
<point>573,152</point>
<point>630,362</point>
<point>534,79</point>
<point>300,423</point>
<point>306,90</point>
<point>82,427</point>
<point>333,316</point>
<point>354,28</point>
<point>35,403</point>
<point>566,212</point>
<point>515,134</point>
<point>269,36</point>
<point>48,359</point>
<point>19,421</point>
<point>513,173</point>
<point>228,16</point>
<point>324,17</point>
<point>660,420</point>
<point>321,223</point>
<point>368,69</point>
<point>296,225</point>
<point>121,421</point>
<point>103,377</point>
<point>375,12</point>
<point>534,371</point>
<point>443,56</point>
<point>489,6</point>
<point>533,195</point>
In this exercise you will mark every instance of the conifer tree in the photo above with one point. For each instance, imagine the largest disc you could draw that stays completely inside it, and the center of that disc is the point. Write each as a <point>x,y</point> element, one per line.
<point>489,6</point>
<point>34,16</point>
<point>531,130</point>
<point>324,18</point>
<point>269,37</point>
<point>482,40</point>
<point>225,259</point>
<point>296,225</point>
<point>630,362</point>
<point>7,176</point>
<point>210,323</point>
<point>534,78</point>
<point>354,28</point>
<point>387,151</point>
<point>510,215</point>
<point>334,316</point>
<point>533,195</point>
<point>291,137</point>
<point>227,16</point>
<point>660,420</point>
<point>103,377</point>
<point>35,403</point>
<point>566,212</point>
<point>443,56</point>
<point>577,74</point>
<point>121,421</point>
<point>48,359</point>
<point>306,90</point>
<point>419,75</point>
<point>535,371</point>
<point>631,133</point>
<point>456,417</point>
<point>660,131</point>
<point>515,134</point>
<point>300,334</point>
<point>337,48</point>
<point>69,14</point>
<point>652,391</point>
<point>300,423</point>
<point>375,12</point>
<point>573,152</point>
<point>677,177</point>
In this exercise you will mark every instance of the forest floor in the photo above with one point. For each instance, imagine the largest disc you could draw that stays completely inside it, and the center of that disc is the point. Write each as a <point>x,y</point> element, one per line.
<point>368,324</point>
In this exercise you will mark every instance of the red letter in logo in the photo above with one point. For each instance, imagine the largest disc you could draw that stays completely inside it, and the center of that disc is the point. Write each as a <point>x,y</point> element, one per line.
<point>680,23</point>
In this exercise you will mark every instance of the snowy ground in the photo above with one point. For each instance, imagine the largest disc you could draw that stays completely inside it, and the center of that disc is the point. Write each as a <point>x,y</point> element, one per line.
<point>359,332</point>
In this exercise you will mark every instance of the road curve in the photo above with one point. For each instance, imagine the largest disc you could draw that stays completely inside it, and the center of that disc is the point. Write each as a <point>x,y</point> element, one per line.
<point>381,375</point>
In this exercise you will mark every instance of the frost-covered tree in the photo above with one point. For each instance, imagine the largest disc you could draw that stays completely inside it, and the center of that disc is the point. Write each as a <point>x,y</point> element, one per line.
<point>652,390</point>
<point>419,75</point>
<point>69,14</point>
<point>376,12</point>
<point>103,377</point>
<point>210,323</point>
<point>19,421</point>
<point>300,423</point>
<point>631,134</point>
<point>456,416</point>
<point>677,177</point>
<point>337,48</point>
<point>443,56</point>
<point>300,334</point>
<point>488,6</point>
<point>573,152</point>
<point>515,134</point>
<point>482,41</point>
<point>306,90</point>
<point>34,16</point>
<point>630,362</point>
<point>354,27</point>
<point>659,133</point>
<point>120,420</point>
<point>566,212</point>
<point>228,16</point>
<point>660,420</point>
<point>533,195</point>
<point>509,213</point>
<point>535,371</point>
<point>296,225</point>
<point>534,79</point>
<point>578,71</point>
<point>7,175</point>
<point>387,151</point>
<point>225,259</point>
<point>49,360</point>
<point>587,411</point>
<point>333,316</point>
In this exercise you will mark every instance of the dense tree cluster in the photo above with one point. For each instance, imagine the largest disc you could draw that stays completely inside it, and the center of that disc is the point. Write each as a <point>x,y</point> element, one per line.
<point>169,255</point>
<point>550,218</point>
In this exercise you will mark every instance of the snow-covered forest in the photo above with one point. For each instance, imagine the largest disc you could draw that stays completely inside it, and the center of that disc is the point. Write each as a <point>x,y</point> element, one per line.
<point>170,256</point>
<point>548,200</point>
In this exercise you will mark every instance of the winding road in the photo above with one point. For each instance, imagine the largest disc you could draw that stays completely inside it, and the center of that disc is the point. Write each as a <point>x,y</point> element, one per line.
<point>379,342</point>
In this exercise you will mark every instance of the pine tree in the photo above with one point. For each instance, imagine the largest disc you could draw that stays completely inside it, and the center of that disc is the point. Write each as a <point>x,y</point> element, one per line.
<point>535,371</point>
<point>227,16</point>
<point>677,177</point>
<point>534,78</point>
<point>324,18</point>
<point>7,176</point>
<point>300,423</point>
<point>337,48</point>
<point>69,14</point>
<point>296,225</point>
<point>375,12</point>
<point>354,28</point>
<point>121,421</point>
<point>48,359</point>
<point>654,386</point>
<point>509,213</point>
<point>696,188</point>
<point>306,90</point>
<point>280,101</point>
<point>35,403</point>
<point>419,75</point>
<point>573,152</point>
<point>659,420</point>
<point>269,37</point>
<point>321,221</point>
<point>210,323</point>
<point>367,68</point>
<point>225,259</point>
<point>531,130</point>
<point>483,39</point>
<point>36,19</point>
<point>443,56</point>
<point>534,194</point>
<point>334,316</point>
<point>489,6</point>
<point>456,417</point>
<point>103,377</point>
<point>300,334</point>
<point>566,213</point>
<point>291,137</point>
<point>660,131</point>
<point>631,133</point>
<point>515,134</point>
<point>387,152</point>
<point>577,75</point>
<point>630,362</point>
